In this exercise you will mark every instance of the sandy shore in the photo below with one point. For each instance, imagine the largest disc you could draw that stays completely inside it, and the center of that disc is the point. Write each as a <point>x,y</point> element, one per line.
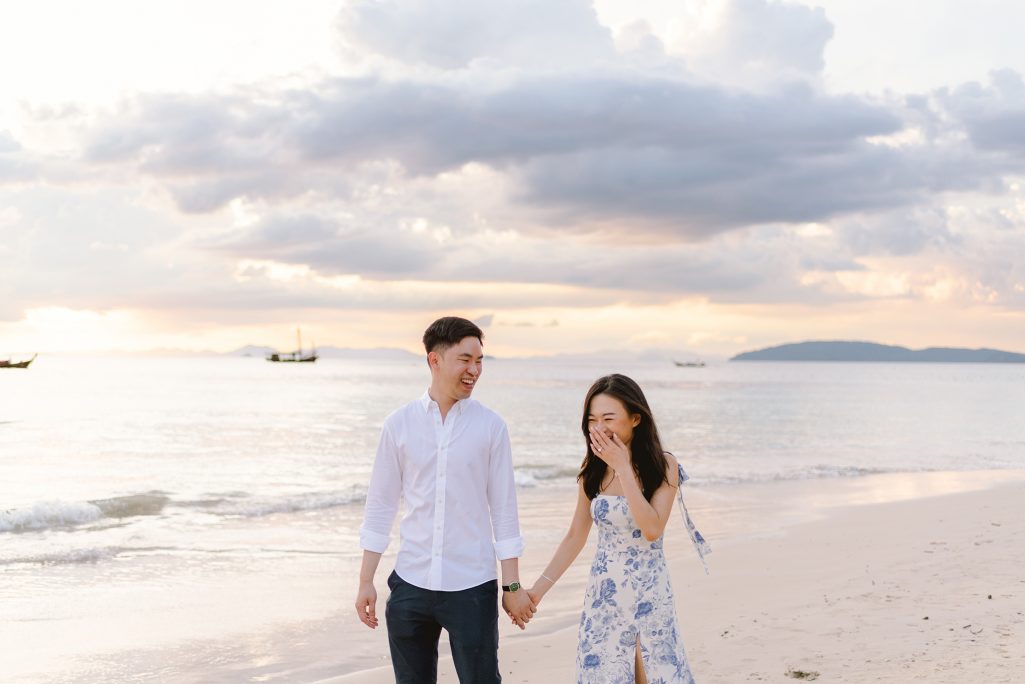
<point>889,578</point>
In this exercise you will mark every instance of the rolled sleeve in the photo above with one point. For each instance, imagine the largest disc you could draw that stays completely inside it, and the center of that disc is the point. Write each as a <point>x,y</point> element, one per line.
<point>509,548</point>
<point>383,496</point>
<point>372,541</point>
<point>505,521</point>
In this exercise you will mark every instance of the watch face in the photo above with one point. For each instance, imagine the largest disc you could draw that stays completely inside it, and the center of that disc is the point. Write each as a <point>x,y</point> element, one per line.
<point>514,586</point>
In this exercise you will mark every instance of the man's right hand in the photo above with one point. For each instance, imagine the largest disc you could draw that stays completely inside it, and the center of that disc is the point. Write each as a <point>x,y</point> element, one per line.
<point>519,607</point>
<point>366,604</point>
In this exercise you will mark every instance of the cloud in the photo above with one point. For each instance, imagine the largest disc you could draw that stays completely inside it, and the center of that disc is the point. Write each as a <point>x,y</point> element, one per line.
<point>901,233</point>
<point>751,43</point>
<point>7,143</point>
<point>591,129</point>
<point>94,249</point>
<point>16,165</point>
<point>614,143</point>
<point>729,268</point>
<point>452,34</point>
<point>993,114</point>
<point>530,148</point>
<point>596,145</point>
<point>335,249</point>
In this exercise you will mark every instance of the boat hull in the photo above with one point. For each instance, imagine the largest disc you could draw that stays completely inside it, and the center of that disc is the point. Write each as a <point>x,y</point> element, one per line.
<point>20,364</point>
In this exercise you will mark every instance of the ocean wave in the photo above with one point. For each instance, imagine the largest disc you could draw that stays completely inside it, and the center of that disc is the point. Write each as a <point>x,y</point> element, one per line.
<point>258,506</point>
<point>59,514</point>
<point>531,476</point>
<point>69,557</point>
<point>816,472</point>
<point>150,503</point>
<point>53,514</point>
<point>46,514</point>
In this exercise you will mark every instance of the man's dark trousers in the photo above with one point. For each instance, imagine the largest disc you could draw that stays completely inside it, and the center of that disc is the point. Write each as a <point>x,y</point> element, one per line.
<point>415,618</point>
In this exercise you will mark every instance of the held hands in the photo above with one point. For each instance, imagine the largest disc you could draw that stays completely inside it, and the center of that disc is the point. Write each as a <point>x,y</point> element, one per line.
<point>536,593</point>
<point>519,606</point>
<point>366,603</point>
<point>611,450</point>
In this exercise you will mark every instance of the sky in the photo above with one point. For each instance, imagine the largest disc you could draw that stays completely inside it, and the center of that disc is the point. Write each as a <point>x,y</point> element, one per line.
<point>698,177</point>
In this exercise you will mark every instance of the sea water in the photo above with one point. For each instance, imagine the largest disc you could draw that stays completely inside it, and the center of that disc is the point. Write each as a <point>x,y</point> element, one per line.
<point>161,514</point>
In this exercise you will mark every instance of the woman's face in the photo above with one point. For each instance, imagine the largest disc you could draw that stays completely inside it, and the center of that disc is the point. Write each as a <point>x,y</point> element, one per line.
<point>610,416</point>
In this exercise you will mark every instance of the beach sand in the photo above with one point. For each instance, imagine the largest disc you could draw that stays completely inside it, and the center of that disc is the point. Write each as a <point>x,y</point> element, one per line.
<point>886,578</point>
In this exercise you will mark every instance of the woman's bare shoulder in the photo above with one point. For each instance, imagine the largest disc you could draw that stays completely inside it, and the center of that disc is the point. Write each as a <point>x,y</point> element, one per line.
<point>672,470</point>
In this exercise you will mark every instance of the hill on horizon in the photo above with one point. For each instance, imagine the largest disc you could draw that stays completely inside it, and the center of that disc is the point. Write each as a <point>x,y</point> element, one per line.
<point>871,351</point>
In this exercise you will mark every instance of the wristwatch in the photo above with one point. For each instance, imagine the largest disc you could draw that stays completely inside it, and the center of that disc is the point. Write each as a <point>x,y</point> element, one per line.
<point>511,587</point>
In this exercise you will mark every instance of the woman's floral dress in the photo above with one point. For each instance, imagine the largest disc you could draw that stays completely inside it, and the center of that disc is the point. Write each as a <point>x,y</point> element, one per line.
<point>629,595</point>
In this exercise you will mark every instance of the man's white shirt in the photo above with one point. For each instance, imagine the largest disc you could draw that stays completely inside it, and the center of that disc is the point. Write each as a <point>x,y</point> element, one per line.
<point>456,478</point>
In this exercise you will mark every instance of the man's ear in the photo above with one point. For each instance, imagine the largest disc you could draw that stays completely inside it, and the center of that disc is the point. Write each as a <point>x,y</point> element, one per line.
<point>432,359</point>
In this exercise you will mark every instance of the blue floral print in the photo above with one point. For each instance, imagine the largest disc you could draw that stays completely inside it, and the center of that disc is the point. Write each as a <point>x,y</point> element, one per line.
<point>605,594</point>
<point>629,599</point>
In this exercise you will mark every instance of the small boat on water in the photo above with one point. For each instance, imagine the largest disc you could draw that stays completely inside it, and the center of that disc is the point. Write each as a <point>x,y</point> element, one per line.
<point>294,357</point>
<point>690,364</point>
<point>19,364</point>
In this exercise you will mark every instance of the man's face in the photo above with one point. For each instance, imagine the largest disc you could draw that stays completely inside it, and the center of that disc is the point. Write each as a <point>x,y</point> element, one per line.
<point>455,370</point>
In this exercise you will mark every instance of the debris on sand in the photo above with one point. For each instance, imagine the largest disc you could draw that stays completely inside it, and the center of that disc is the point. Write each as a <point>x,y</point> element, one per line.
<point>807,675</point>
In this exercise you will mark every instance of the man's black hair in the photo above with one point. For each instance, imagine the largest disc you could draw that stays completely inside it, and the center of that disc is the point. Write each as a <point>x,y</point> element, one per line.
<point>450,330</point>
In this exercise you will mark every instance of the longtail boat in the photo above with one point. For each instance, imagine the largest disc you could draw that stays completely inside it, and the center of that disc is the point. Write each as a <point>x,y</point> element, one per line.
<point>294,357</point>
<point>19,364</point>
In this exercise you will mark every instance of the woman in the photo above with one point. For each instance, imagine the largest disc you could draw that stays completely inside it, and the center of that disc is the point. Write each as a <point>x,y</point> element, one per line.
<point>628,630</point>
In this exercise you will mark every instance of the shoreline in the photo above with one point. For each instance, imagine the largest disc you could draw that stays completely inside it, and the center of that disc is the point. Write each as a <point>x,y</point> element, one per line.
<point>881,578</point>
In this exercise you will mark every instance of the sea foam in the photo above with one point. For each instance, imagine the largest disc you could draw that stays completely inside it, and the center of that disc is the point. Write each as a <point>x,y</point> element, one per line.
<point>258,506</point>
<point>50,514</point>
<point>45,514</point>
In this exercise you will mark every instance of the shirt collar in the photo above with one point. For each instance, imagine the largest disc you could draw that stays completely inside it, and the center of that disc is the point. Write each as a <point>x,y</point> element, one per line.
<point>428,403</point>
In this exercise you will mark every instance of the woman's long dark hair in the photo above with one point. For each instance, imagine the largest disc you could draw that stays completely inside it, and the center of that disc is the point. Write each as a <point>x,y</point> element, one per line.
<point>649,460</point>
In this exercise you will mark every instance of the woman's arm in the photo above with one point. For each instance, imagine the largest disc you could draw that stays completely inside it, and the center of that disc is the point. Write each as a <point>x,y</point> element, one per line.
<point>651,516</point>
<point>568,550</point>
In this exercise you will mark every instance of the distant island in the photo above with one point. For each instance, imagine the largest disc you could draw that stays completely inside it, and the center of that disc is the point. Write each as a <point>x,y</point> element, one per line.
<point>869,351</point>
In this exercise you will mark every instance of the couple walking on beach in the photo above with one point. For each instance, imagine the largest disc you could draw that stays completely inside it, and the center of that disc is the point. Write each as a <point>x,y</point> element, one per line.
<point>449,458</point>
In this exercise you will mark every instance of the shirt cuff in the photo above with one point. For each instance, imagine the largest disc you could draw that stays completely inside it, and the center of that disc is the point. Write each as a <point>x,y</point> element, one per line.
<point>509,548</point>
<point>373,541</point>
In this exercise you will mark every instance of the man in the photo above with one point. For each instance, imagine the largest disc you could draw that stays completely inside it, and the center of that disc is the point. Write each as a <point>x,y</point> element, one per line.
<point>449,458</point>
